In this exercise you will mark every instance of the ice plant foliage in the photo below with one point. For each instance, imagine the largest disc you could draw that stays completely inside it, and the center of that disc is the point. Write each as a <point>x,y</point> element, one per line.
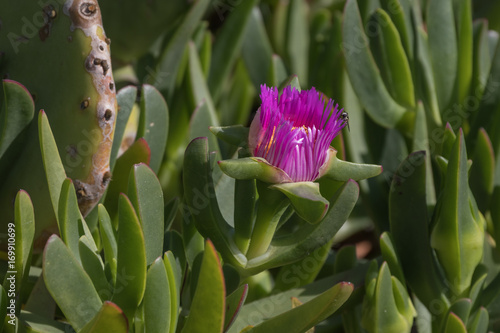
<point>293,131</point>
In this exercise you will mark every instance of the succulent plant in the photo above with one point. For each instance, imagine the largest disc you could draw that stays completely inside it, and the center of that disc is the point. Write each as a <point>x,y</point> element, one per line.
<point>249,166</point>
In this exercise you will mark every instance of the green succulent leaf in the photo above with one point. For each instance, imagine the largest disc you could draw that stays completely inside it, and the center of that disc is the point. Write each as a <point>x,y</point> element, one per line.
<point>234,302</point>
<point>340,170</point>
<point>443,49</point>
<point>257,50</point>
<point>425,78</point>
<point>138,152</point>
<point>478,322</point>
<point>296,274</point>
<point>253,168</point>
<point>305,316</point>
<point>67,281</point>
<point>145,193</point>
<point>170,58</point>
<point>363,72</point>
<point>126,98</point>
<point>201,202</point>
<point>463,18</point>
<point>409,228</point>
<point>482,172</point>
<point>421,142</point>
<point>391,257</point>
<point>70,217</point>
<point>157,299</point>
<point>108,239</point>
<point>297,38</point>
<point>387,306</point>
<point>305,199</point>
<point>93,266</point>
<point>228,44</point>
<point>153,124</point>
<point>209,290</point>
<point>236,135</point>
<point>131,259</point>
<point>17,110</point>
<point>390,55</point>
<point>54,168</point>
<point>458,233</point>
<point>454,324</point>
<point>277,71</point>
<point>110,318</point>
<point>174,276</point>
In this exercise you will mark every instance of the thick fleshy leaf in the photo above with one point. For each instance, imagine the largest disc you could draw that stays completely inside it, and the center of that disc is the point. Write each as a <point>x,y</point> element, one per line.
<point>461,308</point>
<point>70,217</point>
<point>482,172</point>
<point>478,323</point>
<point>145,193</point>
<point>209,290</point>
<point>138,152</point>
<point>384,308</point>
<point>340,170</point>
<point>391,257</point>
<point>305,316</point>
<point>443,49</point>
<point>257,51</point>
<point>236,135</point>
<point>201,202</point>
<point>24,231</point>
<point>409,227</point>
<point>40,301</point>
<point>253,168</point>
<point>402,22</point>
<point>110,318</point>
<point>245,196</point>
<point>228,44</point>
<point>463,18</point>
<point>108,239</point>
<point>174,275</point>
<point>277,71</point>
<point>234,302</point>
<point>170,58</point>
<point>389,53</point>
<point>304,271</point>
<point>93,266</point>
<point>153,124</point>
<point>54,168</point>
<point>454,324</point>
<point>306,200</point>
<point>256,312</point>
<point>126,98</point>
<point>425,78</point>
<point>157,299</point>
<point>297,38</point>
<point>421,142</point>
<point>17,111</point>
<point>481,56</point>
<point>131,261</point>
<point>458,232</point>
<point>364,74</point>
<point>67,281</point>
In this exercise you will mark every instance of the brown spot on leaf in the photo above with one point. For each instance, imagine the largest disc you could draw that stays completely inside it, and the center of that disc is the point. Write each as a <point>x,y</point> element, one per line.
<point>107,114</point>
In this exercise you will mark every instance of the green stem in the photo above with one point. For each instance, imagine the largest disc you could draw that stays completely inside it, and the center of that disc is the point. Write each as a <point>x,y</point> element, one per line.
<point>272,204</point>
<point>244,216</point>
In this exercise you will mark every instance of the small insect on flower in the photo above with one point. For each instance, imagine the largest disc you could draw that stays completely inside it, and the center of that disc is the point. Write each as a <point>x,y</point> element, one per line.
<point>345,117</point>
<point>293,131</point>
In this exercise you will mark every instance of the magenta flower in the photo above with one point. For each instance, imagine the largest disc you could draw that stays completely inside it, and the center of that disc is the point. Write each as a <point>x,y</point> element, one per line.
<point>293,131</point>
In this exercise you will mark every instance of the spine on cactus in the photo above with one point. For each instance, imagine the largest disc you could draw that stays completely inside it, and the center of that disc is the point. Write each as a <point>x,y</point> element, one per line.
<point>85,15</point>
